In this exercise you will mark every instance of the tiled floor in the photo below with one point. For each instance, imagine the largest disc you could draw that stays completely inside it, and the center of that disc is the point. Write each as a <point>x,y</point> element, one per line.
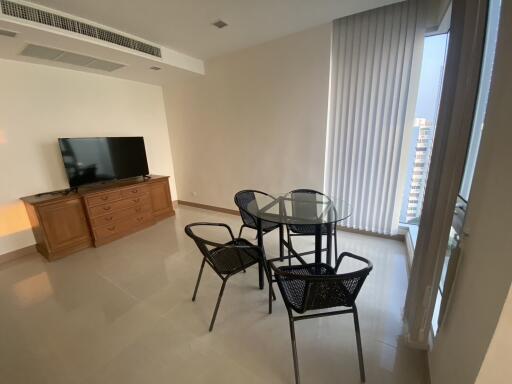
<point>122,314</point>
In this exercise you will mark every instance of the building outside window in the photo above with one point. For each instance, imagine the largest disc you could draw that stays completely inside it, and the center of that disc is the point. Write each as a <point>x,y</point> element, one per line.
<point>423,130</point>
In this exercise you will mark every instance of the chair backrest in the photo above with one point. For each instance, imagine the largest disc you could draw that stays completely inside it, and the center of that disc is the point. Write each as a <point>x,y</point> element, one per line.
<point>242,200</point>
<point>201,243</point>
<point>303,206</point>
<point>319,290</point>
<point>227,257</point>
<point>207,247</point>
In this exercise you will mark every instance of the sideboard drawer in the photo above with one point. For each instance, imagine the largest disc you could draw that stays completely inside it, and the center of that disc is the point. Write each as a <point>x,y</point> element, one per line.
<point>103,198</point>
<point>113,217</point>
<point>133,191</point>
<point>117,205</point>
<point>125,226</point>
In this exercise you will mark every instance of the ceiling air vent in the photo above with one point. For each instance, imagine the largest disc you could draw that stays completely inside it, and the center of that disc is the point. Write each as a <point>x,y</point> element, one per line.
<point>20,11</point>
<point>52,54</point>
<point>6,33</point>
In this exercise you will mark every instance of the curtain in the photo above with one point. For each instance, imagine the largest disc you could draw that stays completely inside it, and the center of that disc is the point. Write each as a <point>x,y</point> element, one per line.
<point>375,63</point>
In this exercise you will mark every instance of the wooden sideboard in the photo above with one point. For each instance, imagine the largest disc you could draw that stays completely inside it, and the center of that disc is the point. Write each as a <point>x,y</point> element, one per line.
<point>95,215</point>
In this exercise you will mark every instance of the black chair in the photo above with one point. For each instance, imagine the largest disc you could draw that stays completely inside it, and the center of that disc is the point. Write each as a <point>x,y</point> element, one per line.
<point>225,259</point>
<point>307,287</point>
<point>309,229</point>
<point>242,200</point>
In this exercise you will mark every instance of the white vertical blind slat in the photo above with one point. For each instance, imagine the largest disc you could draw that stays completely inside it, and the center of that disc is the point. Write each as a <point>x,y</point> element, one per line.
<point>371,63</point>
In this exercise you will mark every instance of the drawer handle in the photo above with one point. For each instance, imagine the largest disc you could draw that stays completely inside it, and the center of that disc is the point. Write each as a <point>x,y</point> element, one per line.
<point>136,200</point>
<point>139,219</point>
<point>135,190</point>
<point>111,228</point>
<point>108,218</point>
<point>104,198</point>
<point>106,208</point>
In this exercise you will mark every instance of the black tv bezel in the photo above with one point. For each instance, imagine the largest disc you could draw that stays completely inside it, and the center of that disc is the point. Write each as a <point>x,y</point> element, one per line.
<point>113,180</point>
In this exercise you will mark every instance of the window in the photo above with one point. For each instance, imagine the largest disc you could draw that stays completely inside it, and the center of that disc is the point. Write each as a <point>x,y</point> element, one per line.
<point>423,130</point>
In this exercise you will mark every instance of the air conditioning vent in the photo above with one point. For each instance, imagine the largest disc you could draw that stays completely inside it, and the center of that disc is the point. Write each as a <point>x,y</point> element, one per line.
<point>20,11</point>
<point>52,54</point>
<point>6,33</point>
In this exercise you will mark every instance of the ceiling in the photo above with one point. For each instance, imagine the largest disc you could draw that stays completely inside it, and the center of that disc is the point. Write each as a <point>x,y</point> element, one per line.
<point>185,25</point>
<point>53,47</point>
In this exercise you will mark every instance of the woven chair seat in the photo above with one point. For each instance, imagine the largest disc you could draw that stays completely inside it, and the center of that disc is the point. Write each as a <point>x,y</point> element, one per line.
<point>228,260</point>
<point>306,229</point>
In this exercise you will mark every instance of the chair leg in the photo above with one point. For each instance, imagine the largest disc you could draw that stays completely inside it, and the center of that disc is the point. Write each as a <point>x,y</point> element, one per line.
<point>271,294</point>
<point>294,348</point>
<point>218,303</point>
<point>198,280</point>
<point>281,246</point>
<point>290,245</point>
<point>359,347</point>
<point>335,243</point>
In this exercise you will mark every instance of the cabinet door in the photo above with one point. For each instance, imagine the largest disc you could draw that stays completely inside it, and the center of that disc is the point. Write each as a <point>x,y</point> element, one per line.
<point>161,199</point>
<point>65,224</point>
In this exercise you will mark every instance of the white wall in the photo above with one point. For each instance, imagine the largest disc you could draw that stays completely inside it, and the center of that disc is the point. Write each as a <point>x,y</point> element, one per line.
<point>257,119</point>
<point>496,368</point>
<point>485,272</point>
<point>38,104</point>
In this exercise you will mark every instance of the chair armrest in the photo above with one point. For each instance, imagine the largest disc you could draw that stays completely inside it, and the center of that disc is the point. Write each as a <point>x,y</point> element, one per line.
<point>204,224</point>
<point>352,256</point>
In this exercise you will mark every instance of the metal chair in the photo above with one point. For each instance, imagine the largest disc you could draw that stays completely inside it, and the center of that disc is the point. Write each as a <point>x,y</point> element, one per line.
<point>307,287</point>
<point>242,200</point>
<point>309,229</point>
<point>225,259</point>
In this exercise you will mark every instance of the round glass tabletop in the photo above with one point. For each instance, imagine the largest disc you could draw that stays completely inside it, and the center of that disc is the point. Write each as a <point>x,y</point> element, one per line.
<point>299,208</point>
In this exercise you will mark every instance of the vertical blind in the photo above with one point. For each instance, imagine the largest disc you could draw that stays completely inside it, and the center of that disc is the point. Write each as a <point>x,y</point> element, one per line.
<point>373,77</point>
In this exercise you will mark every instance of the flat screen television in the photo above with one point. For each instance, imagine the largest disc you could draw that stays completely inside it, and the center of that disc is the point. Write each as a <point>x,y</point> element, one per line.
<point>96,159</point>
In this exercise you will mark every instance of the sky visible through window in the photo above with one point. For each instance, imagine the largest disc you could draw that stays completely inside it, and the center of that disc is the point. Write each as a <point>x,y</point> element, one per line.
<point>422,136</point>
<point>432,69</point>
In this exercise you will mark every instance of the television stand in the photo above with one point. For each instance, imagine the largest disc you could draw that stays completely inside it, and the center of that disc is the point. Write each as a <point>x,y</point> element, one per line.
<point>69,220</point>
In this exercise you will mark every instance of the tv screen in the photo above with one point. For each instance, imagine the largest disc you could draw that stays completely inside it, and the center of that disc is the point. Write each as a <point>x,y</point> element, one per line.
<point>96,159</point>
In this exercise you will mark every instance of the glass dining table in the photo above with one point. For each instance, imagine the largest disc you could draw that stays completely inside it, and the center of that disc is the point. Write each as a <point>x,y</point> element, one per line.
<point>315,212</point>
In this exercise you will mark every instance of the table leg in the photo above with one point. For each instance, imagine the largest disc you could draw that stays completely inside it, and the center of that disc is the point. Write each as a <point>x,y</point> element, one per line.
<point>260,244</point>
<point>282,213</point>
<point>329,244</point>
<point>281,245</point>
<point>318,244</point>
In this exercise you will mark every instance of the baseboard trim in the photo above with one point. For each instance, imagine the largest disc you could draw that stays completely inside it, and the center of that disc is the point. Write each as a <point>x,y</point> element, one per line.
<point>209,207</point>
<point>9,256</point>
<point>399,236</point>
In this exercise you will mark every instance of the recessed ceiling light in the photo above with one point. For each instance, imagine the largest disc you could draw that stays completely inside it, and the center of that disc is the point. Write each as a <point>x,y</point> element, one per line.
<point>220,24</point>
<point>155,68</point>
